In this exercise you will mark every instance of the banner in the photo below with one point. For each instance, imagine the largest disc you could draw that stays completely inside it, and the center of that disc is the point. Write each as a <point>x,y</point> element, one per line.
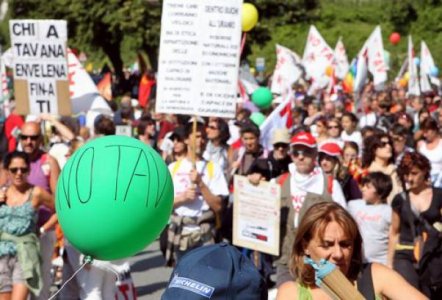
<point>40,66</point>
<point>256,215</point>
<point>280,117</point>
<point>426,65</point>
<point>317,56</point>
<point>286,71</point>
<point>199,57</point>
<point>377,66</point>
<point>341,60</point>
<point>413,81</point>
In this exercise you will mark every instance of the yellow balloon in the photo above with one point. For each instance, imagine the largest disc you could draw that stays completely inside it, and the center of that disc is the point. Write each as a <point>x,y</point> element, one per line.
<point>249,17</point>
<point>89,67</point>
<point>407,76</point>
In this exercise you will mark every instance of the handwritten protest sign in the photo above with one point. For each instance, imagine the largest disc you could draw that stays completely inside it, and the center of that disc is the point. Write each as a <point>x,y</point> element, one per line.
<point>256,215</point>
<point>40,66</point>
<point>199,57</point>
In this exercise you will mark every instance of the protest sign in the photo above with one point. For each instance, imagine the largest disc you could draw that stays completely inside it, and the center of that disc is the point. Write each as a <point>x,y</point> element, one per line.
<point>256,215</point>
<point>199,57</point>
<point>40,66</point>
<point>125,130</point>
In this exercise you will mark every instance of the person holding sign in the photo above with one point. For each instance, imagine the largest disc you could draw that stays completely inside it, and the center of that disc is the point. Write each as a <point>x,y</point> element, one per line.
<point>328,232</point>
<point>20,264</point>
<point>199,189</point>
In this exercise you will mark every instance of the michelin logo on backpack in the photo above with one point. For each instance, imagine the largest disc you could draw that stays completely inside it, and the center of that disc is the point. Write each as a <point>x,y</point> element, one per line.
<point>192,286</point>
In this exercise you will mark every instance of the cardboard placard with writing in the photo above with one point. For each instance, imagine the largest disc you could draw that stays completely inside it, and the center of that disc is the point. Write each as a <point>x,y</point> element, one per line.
<point>40,66</point>
<point>256,215</point>
<point>199,57</point>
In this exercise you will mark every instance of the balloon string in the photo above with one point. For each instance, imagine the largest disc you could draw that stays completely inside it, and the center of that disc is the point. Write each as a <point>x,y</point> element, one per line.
<point>243,42</point>
<point>67,281</point>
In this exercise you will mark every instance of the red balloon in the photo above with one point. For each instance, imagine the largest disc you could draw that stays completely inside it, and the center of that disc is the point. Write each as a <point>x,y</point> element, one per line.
<point>395,38</point>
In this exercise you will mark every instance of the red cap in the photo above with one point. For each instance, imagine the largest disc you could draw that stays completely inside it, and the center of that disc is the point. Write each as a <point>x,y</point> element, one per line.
<point>330,148</point>
<point>305,139</point>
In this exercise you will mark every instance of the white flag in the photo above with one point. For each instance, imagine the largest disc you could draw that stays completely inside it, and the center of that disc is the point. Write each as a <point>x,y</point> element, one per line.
<point>286,70</point>
<point>376,59</point>
<point>426,65</point>
<point>413,82</point>
<point>361,72</point>
<point>403,70</point>
<point>341,60</point>
<point>317,56</point>
<point>280,117</point>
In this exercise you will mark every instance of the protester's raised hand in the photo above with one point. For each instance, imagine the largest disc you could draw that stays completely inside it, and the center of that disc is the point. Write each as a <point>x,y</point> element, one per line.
<point>255,178</point>
<point>46,117</point>
<point>195,177</point>
<point>190,193</point>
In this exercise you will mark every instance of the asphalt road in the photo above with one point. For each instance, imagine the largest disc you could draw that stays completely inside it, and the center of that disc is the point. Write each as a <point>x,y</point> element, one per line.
<point>151,277</point>
<point>149,274</point>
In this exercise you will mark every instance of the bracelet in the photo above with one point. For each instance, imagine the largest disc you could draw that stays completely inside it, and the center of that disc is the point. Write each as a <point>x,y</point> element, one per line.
<point>42,230</point>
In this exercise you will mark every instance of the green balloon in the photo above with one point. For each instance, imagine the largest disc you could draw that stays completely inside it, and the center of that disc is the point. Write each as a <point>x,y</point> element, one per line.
<point>262,97</point>
<point>257,118</point>
<point>114,197</point>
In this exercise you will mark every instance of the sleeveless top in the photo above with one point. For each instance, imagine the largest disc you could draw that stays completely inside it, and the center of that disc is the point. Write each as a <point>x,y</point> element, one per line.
<point>16,220</point>
<point>364,286</point>
<point>39,176</point>
<point>434,156</point>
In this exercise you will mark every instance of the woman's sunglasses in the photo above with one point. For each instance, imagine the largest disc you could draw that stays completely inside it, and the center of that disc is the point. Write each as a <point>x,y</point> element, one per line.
<point>22,170</point>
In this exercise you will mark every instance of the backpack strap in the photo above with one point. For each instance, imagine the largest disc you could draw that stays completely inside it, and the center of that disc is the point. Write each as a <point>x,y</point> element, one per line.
<point>330,179</point>
<point>176,167</point>
<point>328,188</point>
<point>365,282</point>
<point>283,178</point>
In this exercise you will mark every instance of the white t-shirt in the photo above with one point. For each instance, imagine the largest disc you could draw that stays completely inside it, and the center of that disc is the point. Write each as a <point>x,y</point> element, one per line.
<point>301,184</point>
<point>215,181</point>
<point>374,224</point>
<point>356,137</point>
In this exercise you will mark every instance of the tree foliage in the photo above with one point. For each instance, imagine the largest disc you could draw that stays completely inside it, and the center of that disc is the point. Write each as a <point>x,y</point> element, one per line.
<point>118,29</point>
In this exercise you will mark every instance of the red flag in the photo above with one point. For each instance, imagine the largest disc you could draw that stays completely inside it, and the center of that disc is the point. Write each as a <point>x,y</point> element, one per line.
<point>145,89</point>
<point>105,86</point>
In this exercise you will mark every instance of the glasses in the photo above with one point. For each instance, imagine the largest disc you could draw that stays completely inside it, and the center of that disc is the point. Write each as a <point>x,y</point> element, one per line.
<point>333,127</point>
<point>304,153</point>
<point>32,137</point>
<point>397,139</point>
<point>384,144</point>
<point>280,146</point>
<point>22,170</point>
<point>212,127</point>
<point>323,156</point>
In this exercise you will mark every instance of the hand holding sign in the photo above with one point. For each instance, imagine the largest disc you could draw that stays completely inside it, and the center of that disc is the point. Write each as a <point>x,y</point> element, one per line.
<point>114,196</point>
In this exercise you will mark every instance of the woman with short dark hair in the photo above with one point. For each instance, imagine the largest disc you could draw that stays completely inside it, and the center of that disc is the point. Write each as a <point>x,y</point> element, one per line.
<point>415,211</point>
<point>378,157</point>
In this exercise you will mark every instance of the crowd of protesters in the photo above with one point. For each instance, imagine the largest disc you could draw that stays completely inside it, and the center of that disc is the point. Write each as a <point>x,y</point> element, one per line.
<point>378,158</point>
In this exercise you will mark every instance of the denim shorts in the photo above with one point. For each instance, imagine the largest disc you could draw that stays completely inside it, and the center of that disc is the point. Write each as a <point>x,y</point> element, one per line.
<point>10,273</point>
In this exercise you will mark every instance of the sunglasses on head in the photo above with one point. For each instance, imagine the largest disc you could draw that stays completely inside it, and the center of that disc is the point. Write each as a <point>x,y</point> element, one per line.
<point>32,137</point>
<point>22,170</point>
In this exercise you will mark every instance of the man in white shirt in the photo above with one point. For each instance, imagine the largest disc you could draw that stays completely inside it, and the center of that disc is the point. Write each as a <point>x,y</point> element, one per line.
<point>199,188</point>
<point>304,185</point>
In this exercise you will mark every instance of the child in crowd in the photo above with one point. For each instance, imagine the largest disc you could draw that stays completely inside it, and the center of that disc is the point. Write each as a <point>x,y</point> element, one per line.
<point>373,216</point>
